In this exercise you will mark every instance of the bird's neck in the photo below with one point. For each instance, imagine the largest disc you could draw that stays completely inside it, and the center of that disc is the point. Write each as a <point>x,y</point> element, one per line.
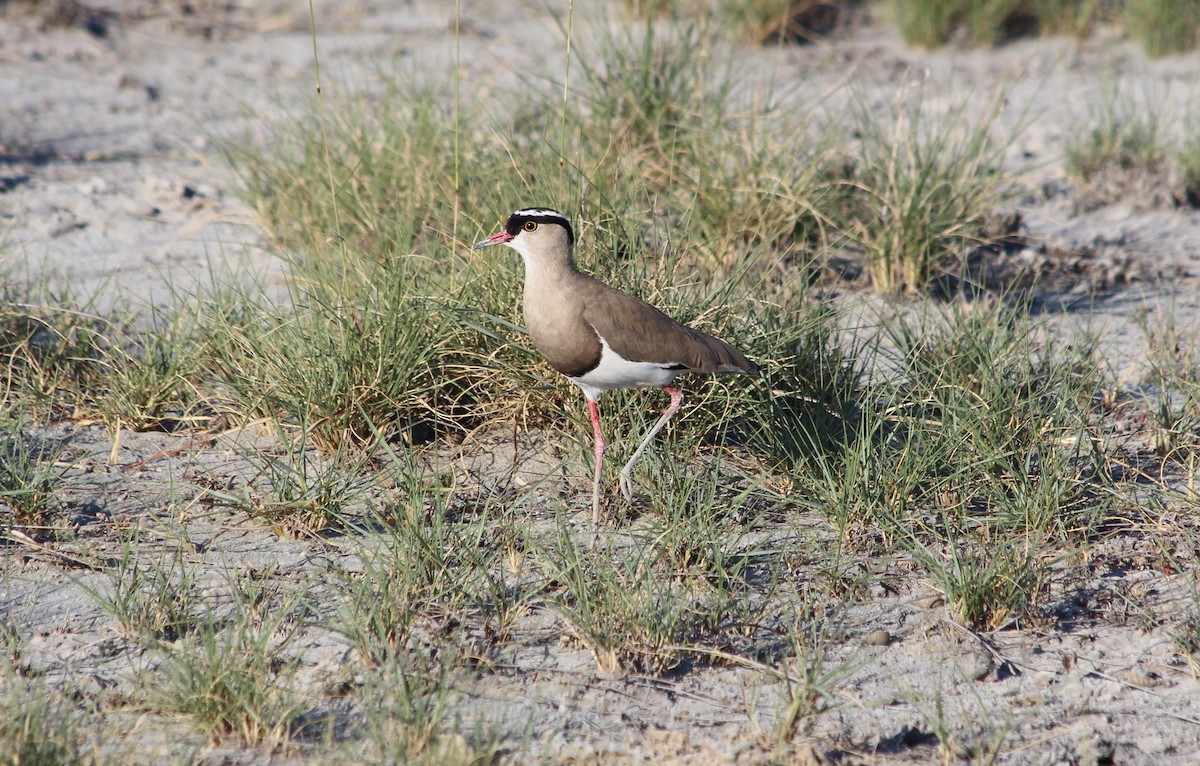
<point>545,276</point>
<point>551,292</point>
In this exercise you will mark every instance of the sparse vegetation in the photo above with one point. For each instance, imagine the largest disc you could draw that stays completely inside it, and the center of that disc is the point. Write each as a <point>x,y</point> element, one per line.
<point>28,475</point>
<point>37,726</point>
<point>420,473</point>
<point>1163,27</point>
<point>1188,162</point>
<point>928,182</point>
<point>1118,141</point>
<point>231,674</point>
<point>155,601</point>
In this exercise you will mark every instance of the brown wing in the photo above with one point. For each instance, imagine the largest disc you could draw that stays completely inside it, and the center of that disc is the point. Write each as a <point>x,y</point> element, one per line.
<point>641,333</point>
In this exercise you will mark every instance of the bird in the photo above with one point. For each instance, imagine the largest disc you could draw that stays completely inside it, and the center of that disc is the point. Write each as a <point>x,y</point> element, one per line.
<point>600,338</point>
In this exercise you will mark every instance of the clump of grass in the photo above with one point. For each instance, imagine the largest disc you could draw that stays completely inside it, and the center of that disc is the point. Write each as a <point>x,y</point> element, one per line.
<point>645,143</point>
<point>632,610</point>
<point>425,564</point>
<point>975,450</point>
<point>155,601</point>
<point>28,474</point>
<point>297,489</point>
<point>1117,142</point>
<point>929,23</point>
<point>927,183</point>
<point>408,709</point>
<point>1164,27</point>
<point>1070,17</point>
<point>981,741</point>
<point>1124,145</point>
<point>350,355</point>
<point>1187,162</point>
<point>648,91</point>
<point>324,183</point>
<point>753,20</point>
<point>148,378</point>
<point>38,726</point>
<point>49,342</point>
<point>1173,359</point>
<point>807,403</point>
<point>694,531</point>
<point>987,579</point>
<point>65,357</point>
<point>808,677</point>
<point>381,326</point>
<point>229,674</point>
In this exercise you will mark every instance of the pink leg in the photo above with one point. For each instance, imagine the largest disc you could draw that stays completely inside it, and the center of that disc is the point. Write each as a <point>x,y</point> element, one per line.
<point>601,446</point>
<point>676,403</point>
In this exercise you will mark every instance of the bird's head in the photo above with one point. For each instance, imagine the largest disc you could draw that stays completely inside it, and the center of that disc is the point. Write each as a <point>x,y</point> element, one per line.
<point>539,234</point>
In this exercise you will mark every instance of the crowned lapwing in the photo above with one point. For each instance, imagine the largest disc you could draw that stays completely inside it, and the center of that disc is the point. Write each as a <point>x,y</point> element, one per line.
<point>599,337</point>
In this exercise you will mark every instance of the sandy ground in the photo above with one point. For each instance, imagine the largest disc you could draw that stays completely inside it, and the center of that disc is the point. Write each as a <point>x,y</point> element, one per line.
<point>108,181</point>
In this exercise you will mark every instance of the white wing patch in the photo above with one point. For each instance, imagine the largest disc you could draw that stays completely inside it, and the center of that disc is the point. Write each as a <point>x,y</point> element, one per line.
<point>615,372</point>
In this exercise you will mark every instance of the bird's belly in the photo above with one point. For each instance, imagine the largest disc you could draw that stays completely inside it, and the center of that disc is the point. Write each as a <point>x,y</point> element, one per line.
<point>615,372</point>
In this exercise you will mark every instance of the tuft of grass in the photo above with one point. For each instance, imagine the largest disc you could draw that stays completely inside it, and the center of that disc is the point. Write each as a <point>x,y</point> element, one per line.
<point>1173,384</point>
<point>38,726</point>
<point>1117,143</point>
<point>632,610</point>
<point>28,474</point>
<point>754,20</point>
<point>49,342</point>
<point>66,358</point>
<point>303,491</point>
<point>928,23</point>
<point>808,401</point>
<point>649,91</point>
<point>155,601</point>
<point>990,22</point>
<point>1124,139</point>
<point>982,740</point>
<point>230,674</point>
<point>1187,162</point>
<point>407,707</point>
<point>987,579</point>
<point>350,352</point>
<point>1069,17</point>
<point>147,378</point>
<point>975,450</point>
<point>424,564</point>
<point>1164,27</point>
<point>926,182</point>
<point>808,677</point>
<point>696,531</point>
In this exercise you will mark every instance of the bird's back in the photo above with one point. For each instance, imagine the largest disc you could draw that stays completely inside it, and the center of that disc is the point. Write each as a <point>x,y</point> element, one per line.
<point>568,316</point>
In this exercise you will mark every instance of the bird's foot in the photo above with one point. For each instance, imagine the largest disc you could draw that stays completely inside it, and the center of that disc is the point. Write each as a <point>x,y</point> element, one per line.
<point>626,486</point>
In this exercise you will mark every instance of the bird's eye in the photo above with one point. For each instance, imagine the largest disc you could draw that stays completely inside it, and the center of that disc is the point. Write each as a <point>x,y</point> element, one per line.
<point>531,226</point>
